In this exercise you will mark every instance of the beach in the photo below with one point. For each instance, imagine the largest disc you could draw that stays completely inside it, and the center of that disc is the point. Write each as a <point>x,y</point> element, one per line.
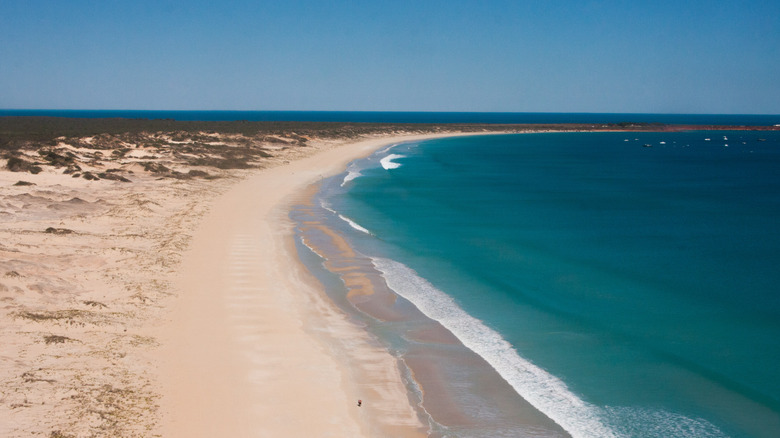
<point>85,266</point>
<point>256,349</point>
<point>341,219</point>
<point>173,304</point>
<point>207,283</point>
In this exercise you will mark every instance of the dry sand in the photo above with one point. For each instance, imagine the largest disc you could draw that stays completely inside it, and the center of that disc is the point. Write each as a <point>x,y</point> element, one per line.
<point>84,287</point>
<point>255,349</point>
<point>117,322</point>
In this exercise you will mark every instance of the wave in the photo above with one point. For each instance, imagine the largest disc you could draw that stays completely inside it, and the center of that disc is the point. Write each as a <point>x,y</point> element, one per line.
<point>354,225</point>
<point>351,223</point>
<point>660,424</point>
<point>352,173</point>
<point>388,163</point>
<point>543,390</point>
<point>387,148</point>
<point>353,170</point>
<point>326,205</point>
<point>317,253</point>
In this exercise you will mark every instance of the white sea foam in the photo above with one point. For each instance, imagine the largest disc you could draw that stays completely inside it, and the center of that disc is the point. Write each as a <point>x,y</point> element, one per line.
<point>354,225</point>
<point>388,148</point>
<point>351,223</point>
<point>660,424</point>
<point>388,163</point>
<point>543,390</point>
<point>303,241</point>
<point>352,173</point>
<point>324,204</point>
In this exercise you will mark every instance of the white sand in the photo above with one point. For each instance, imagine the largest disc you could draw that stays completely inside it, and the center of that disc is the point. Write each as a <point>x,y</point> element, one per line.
<point>254,348</point>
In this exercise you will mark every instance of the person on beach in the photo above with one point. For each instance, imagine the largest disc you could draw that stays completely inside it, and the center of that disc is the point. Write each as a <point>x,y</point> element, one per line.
<point>360,403</point>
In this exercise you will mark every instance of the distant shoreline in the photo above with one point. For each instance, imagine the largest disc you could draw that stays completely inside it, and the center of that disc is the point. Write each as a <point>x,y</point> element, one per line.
<point>15,131</point>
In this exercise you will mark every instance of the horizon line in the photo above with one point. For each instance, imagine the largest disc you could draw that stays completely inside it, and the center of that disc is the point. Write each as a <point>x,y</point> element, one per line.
<point>375,111</point>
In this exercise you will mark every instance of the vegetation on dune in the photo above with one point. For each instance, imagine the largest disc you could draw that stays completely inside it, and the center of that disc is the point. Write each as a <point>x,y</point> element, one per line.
<point>84,148</point>
<point>16,131</point>
<point>56,339</point>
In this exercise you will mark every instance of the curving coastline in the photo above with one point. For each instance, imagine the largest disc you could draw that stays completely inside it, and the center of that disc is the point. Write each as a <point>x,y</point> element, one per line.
<point>254,348</point>
<point>92,270</point>
<point>447,379</point>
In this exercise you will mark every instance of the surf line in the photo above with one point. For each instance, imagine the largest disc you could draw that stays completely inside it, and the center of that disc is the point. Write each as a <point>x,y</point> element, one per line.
<point>388,163</point>
<point>543,390</point>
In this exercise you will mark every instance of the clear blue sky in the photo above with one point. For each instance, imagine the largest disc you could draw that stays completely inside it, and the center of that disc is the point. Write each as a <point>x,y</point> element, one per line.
<point>714,56</point>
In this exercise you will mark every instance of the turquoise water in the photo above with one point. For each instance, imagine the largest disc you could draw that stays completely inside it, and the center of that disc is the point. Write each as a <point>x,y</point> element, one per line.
<point>623,290</point>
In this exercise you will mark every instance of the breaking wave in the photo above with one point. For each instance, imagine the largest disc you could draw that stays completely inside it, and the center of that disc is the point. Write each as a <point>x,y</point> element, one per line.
<point>352,173</point>
<point>354,225</point>
<point>543,390</point>
<point>388,163</point>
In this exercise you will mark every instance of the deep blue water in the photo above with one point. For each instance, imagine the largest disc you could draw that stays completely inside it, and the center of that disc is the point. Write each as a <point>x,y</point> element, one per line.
<point>642,282</point>
<point>411,117</point>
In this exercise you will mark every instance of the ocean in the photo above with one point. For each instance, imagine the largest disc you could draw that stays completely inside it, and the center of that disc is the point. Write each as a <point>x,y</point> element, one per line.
<point>623,284</point>
<point>409,116</point>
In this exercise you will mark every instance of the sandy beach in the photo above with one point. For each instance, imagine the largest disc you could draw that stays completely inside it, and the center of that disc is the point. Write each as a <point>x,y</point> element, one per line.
<point>173,303</point>
<point>255,350</point>
<point>85,269</point>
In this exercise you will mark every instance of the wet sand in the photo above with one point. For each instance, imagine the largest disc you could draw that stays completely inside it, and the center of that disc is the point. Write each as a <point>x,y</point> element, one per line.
<point>457,391</point>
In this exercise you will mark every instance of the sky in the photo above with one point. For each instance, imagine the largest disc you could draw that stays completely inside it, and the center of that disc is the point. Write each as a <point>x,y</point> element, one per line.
<point>656,56</point>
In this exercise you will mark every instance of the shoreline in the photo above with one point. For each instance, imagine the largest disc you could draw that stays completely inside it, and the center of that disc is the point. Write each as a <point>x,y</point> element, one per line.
<point>94,231</point>
<point>453,386</point>
<point>246,361</point>
<point>87,283</point>
<point>371,206</point>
